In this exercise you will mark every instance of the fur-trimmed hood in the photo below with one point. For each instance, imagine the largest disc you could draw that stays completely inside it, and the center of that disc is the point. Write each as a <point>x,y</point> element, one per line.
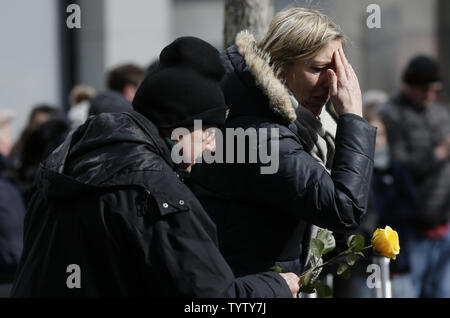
<point>258,64</point>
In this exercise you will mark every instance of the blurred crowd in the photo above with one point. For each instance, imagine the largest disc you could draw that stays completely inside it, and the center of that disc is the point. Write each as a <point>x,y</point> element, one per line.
<point>410,187</point>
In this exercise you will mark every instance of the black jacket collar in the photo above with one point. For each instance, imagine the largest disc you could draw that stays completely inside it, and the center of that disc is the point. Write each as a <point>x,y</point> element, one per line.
<point>108,150</point>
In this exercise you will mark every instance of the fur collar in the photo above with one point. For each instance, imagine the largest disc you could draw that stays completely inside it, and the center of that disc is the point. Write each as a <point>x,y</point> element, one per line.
<point>258,63</point>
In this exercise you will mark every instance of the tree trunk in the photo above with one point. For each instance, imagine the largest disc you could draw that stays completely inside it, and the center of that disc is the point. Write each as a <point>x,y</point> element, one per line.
<point>252,15</point>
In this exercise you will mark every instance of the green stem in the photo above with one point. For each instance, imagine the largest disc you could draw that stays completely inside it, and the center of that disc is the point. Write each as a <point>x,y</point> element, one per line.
<point>367,247</point>
<point>344,253</point>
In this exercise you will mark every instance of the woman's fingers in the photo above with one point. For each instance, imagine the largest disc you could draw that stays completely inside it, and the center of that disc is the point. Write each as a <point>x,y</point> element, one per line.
<point>348,67</point>
<point>345,92</point>
<point>346,64</point>
<point>352,79</point>
<point>333,82</point>
<point>340,69</point>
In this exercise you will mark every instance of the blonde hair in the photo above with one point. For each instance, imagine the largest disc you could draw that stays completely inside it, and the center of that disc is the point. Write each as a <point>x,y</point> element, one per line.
<point>298,34</point>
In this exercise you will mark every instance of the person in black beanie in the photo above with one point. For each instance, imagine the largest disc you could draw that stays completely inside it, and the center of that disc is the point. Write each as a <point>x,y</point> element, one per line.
<point>110,216</point>
<point>422,70</point>
<point>422,81</point>
<point>185,86</point>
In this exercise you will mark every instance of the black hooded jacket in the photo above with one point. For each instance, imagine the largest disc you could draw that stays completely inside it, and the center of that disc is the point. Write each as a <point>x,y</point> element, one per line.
<point>111,216</point>
<point>262,218</point>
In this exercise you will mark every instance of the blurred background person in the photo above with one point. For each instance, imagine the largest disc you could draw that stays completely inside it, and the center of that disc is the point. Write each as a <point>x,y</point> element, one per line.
<point>38,146</point>
<point>39,114</point>
<point>6,118</point>
<point>418,130</point>
<point>122,82</point>
<point>12,212</point>
<point>125,80</point>
<point>394,201</point>
<point>80,100</point>
<point>26,154</point>
<point>374,100</point>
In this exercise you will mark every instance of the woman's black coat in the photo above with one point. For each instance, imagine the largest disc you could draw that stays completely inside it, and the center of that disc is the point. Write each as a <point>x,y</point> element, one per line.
<point>262,218</point>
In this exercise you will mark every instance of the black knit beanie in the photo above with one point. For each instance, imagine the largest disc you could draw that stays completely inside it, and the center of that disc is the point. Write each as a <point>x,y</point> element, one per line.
<point>184,87</point>
<point>422,70</point>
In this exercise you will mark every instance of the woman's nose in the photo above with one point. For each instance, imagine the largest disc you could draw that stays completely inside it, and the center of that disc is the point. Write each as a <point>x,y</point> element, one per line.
<point>324,81</point>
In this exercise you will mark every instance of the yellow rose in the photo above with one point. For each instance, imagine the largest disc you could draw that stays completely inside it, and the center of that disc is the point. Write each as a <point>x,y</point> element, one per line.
<point>385,242</point>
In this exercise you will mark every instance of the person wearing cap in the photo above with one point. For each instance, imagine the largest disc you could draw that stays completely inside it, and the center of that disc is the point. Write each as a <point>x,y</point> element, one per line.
<point>12,211</point>
<point>418,130</point>
<point>111,216</point>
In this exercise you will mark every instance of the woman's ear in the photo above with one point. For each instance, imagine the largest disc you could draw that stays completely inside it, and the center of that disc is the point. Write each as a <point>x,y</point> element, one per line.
<point>283,75</point>
<point>287,75</point>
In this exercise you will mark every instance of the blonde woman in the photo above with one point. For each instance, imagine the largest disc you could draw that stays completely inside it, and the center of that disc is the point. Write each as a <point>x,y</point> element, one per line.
<point>262,218</point>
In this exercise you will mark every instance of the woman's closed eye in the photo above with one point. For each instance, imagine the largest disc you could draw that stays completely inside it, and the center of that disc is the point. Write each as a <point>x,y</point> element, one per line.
<point>318,69</point>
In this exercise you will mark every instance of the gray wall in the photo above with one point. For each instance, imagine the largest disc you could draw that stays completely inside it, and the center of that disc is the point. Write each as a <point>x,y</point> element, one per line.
<point>90,44</point>
<point>117,31</point>
<point>202,18</point>
<point>29,57</point>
